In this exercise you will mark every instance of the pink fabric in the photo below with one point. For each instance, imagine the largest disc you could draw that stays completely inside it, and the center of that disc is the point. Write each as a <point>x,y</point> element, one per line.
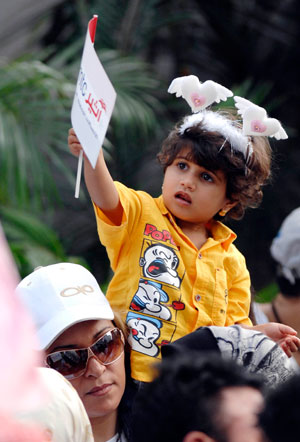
<point>20,387</point>
<point>12,431</point>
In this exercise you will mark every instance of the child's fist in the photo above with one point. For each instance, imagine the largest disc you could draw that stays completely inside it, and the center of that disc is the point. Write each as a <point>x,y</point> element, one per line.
<point>283,335</point>
<point>73,142</point>
<point>289,344</point>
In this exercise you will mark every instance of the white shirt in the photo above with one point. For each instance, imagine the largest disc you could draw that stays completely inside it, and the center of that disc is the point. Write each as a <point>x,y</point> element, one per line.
<point>116,438</point>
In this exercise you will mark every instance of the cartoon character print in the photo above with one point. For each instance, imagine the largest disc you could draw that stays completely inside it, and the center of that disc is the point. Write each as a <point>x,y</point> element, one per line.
<point>160,263</point>
<point>144,332</point>
<point>148,298</point>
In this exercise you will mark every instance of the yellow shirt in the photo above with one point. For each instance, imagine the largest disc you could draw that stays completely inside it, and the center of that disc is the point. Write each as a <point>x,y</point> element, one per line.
<point>163,285</point>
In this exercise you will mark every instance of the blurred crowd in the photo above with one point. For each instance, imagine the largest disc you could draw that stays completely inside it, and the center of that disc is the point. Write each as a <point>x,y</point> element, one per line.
<point>222,384</point>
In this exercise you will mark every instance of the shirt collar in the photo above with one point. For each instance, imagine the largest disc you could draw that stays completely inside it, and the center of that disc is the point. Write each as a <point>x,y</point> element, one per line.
<point>161,205</point>
<point>220,233</point>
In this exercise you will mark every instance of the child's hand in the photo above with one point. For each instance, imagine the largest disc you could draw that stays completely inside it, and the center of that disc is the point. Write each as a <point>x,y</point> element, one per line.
<point>274,330</point>
<point>289,344</point>
<point>283,335</point>
<point>73,142</point>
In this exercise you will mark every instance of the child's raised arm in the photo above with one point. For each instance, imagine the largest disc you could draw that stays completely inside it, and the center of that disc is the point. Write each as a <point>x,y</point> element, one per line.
<point>99,182</point>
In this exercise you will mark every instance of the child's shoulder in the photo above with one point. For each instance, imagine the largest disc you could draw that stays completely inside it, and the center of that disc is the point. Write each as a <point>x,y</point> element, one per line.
<point>123,189</point>
<point>139,197</point>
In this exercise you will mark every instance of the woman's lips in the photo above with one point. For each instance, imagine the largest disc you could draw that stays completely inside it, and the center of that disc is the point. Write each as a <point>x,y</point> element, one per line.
<point>183,197</point>
<point>100,391</point>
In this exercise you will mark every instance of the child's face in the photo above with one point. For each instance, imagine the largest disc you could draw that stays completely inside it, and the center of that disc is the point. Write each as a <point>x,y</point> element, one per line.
<point>192,193</point>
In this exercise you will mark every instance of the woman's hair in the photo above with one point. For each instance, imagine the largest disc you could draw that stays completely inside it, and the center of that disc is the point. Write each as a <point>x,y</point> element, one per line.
<point>124,409</point>
<point>118,321</point>
<point>287,289</point>
<point>209,149</point>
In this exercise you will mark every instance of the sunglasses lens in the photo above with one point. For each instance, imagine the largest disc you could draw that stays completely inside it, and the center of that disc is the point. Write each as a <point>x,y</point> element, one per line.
<point>72,363</point>
<point>68,363</point>
<point>109,347</point>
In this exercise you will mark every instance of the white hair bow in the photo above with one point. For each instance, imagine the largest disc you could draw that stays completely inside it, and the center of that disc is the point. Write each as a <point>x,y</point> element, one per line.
<point>198,95</point>
<point>256,121</point>
<point>201,95</point>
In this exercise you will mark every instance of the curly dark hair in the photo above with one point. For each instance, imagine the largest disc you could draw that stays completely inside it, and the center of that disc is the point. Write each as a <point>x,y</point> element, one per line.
<point>245,179</point>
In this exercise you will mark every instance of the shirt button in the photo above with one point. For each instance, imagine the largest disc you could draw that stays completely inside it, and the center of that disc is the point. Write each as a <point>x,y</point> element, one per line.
<point>198,298</point>
<point>199,256</point>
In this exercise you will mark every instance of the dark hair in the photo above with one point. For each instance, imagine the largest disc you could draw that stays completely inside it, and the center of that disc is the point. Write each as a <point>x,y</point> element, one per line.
<point>186,396</point>
<point>124,422</point>
<point>208,149</point>
<point>286,288</point>
<point>125,406</point>
<point>280,417</point>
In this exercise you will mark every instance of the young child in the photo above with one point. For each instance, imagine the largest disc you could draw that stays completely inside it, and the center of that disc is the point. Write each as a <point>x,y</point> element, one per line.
<point>175,265</point>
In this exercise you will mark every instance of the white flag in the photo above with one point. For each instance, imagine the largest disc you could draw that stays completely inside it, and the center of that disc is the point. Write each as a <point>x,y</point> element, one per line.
<point>93,102</point>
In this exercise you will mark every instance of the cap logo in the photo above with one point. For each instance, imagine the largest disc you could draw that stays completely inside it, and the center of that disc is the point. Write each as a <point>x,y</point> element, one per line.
<point>72,291</point>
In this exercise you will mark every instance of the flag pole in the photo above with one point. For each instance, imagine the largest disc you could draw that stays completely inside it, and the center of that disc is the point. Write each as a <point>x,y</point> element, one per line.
<point>78,177</point>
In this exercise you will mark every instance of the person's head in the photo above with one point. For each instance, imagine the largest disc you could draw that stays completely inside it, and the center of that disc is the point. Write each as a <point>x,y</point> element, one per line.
<point>78,332</point>
<point>207,163</point>
<point>279,418</point>
<point>61,416</point>
<point>285,250</point>
<point>199,398</point>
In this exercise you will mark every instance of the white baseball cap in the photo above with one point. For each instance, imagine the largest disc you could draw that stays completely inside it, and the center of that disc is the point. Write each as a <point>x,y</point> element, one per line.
<point>59,296</point>
<point>285,248</point>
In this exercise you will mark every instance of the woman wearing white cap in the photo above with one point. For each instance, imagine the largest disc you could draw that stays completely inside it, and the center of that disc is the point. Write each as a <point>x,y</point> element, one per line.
<point>82,340</point>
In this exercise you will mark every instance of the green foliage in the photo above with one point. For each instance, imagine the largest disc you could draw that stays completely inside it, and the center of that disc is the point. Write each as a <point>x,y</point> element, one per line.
<point>32,242</point>
<point>34,99</point>
<point>35,104</point>
<point>267,293</point>
<point>257,93</point>
<point>34,108</point>
<point>129,26</point>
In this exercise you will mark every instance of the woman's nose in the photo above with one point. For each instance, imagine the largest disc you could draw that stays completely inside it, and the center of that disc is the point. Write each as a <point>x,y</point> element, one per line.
<point>94,367</point>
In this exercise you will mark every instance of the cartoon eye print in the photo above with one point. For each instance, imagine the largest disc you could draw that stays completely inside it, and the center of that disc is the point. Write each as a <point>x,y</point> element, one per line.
<point>160,262</point>
<point>148,299</point>
<point>144,332</point>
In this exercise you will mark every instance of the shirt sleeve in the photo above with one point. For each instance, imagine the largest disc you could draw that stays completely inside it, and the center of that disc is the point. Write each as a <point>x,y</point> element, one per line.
<point>239,293</point>
<point>115,237</point>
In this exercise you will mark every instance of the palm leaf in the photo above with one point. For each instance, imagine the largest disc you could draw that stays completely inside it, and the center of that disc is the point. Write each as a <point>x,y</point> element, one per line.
<point>32,242</point>
<point>33,125</point>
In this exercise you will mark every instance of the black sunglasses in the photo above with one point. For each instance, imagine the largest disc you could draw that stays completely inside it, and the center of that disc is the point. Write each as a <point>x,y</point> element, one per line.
<point>72,363</point>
